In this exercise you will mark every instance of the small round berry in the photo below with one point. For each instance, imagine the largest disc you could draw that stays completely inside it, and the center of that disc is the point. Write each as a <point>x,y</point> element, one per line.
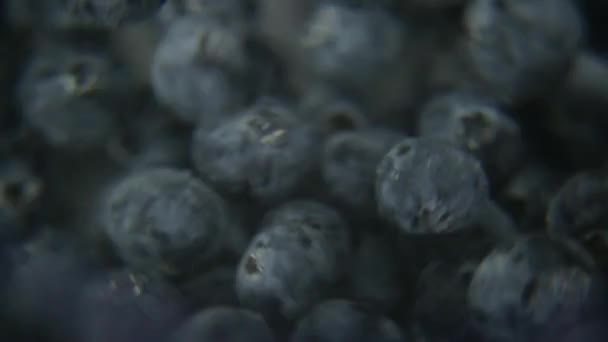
<point>521,48</point>
<point>265,152</point>
<point>426,186</point>
<point>166,221</point>
<point>300,251</point>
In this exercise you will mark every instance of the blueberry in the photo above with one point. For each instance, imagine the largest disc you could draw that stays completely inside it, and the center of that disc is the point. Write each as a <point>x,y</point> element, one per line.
<point>349,165</point>
<point>477,125</point>
<point>198,68</point>
<point>166,221</point>
<point>60,94</point>
<point>341,320</point>
<point>338,33</point>
<point>578,210</point>
<point>361,51</point>
<point>579,206</point>
<point>224,324</point>
<point>265,152</point>
<point>300,251</point>
<point>524,286</point>
<point>426,186</point>
<point>520,49</point>
<point>123,306</point>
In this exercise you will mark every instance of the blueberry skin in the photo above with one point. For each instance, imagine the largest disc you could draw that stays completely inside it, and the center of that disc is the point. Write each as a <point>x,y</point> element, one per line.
<point>349,165</point>
<point>224,324</point>
<point>425,186</point>
<point>477,125</point>
<point>166,221</point>
<point>579,207</point>
<point>520,49</point>
<point>122,306</point>
<point>578,210</point>
<point>264,152</point>
<point>60,95</point>
<point>341,321</point>
<point>360,51</point>
<point>197,69</point>
<point>349,45</point>
<point>523,287</point>
<point>301,250</point>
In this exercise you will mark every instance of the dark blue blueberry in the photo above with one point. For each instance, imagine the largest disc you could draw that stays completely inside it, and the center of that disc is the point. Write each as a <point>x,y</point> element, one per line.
<point>427,186</point>
<point>265,152</point>
<point>519,48</point>
<point>61,94</point>
<point>361,51</point>
<point>527,285</point>
<point>301,250</point>
<point>198,68</point>
<point>167,221</point>
<point>350,46</point>
<point>579,210</point>
<point>580,206</point>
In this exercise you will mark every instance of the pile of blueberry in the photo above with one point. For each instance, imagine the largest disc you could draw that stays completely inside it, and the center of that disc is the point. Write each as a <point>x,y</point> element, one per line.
<point>303,171</point>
